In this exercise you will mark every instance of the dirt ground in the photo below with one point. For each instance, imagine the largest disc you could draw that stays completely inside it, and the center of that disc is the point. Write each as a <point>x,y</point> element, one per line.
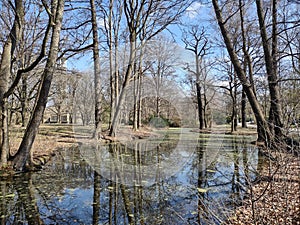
<point>52,137</point>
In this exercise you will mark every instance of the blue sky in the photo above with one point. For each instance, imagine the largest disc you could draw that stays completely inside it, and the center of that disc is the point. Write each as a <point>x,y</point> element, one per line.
<point>197,13</point>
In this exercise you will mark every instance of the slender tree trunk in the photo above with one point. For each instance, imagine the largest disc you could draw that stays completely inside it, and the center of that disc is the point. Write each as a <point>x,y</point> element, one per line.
<point>114,25</point>
<point>140,96</point>
<point>138,93</point>
<point>235,118</point>
<point>116,78</point>
<point>135,94</point>
<point>198,89</point>
<point>275,115</point>
<point>24,152</point>
<point>5,133</point>
<point>97,81</point>
<point>234,105</point>
<point>24,101</point>
<point>198,45</point>
<point>233,95</point>
<point>199,102</point>
<point>246,57</point>
<point>116,54</point>
<point>121,97</point>
<point>205,105</point>
<point>243,110</point>
<point>135,101</point>
<point>111,62</point>
<point>5,74</point>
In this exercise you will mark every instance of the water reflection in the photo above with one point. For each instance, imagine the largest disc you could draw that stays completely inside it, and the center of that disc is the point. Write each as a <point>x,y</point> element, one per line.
<point>70,191</point>
<point>141,162</point>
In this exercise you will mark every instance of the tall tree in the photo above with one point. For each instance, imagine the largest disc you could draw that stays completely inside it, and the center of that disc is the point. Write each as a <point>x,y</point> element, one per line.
<point>246,59</point>
<point>161,57</point>
<point>112,14</point>
<point>12,59</point>
<point>97,80</point>
<point>5,73</point>
<point>271,58</point>
<point>262,125</point>
<point>150,17</point>
<point>24,154</point>
<point>195,40</point>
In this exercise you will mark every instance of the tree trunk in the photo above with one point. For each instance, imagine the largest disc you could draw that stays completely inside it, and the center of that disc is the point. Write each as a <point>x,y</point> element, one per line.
<point>140,96</point>
<point>243,110</point>
<point>5,74</point>
<point>114,26</point>
<point>135,102</point>
<point>97,80</point>
<point>246,59</point>
<point>198,89</point>
<point>5,133</point>
<point>198,46</point>
<point>199,103</point>
<point>138,91</point>
<point>262,125</point>
<point>235,114</point>
<point>24,151</point>
<point>205,106</point>
<point>111,60</point>
<point>24,101</point>
<point>121,97</point>
<point>275,114</point>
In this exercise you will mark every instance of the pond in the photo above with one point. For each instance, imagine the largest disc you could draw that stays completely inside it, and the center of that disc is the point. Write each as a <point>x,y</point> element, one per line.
<point>179,178</point>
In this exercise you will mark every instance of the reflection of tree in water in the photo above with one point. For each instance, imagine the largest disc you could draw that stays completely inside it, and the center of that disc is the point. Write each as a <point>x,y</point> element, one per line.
<point>69,192</point>
<point>147,152</point>
<point>135,204</point>
<point>220,184</point>
<point>18,203</point>
<point>67,170</point>
<point>175,198</point>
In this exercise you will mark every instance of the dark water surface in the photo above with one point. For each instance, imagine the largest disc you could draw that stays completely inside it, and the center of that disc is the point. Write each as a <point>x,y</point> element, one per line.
<point>177,179</point>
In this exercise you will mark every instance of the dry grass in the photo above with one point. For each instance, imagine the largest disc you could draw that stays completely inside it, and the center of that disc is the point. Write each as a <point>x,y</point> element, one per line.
<point>52,137</point>
<point>49,139</point>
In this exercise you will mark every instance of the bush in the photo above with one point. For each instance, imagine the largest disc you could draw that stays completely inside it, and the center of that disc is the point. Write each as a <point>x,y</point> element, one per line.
<point>161,122</point>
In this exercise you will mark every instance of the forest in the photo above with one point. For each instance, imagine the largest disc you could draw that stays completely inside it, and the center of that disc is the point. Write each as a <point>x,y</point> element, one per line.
<point>139,64</point>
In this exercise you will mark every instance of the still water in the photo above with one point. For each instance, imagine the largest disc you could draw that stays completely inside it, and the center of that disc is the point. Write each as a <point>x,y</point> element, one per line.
<point>179,178</point>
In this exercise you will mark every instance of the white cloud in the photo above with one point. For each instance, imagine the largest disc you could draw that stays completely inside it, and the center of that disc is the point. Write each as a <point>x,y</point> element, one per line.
<point>193,10</point>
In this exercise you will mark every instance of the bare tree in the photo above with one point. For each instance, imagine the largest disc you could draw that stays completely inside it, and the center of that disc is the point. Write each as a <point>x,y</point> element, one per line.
<point>5,73</point>
<point>271,60</point>
<point>195,40</point>
<point>112,14</point>
<point>23,155</point>
<point>84,100</point>
<point>150,17</point>
<point>97,80</point>
<point>264,134</point>
<point>12,64</point>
